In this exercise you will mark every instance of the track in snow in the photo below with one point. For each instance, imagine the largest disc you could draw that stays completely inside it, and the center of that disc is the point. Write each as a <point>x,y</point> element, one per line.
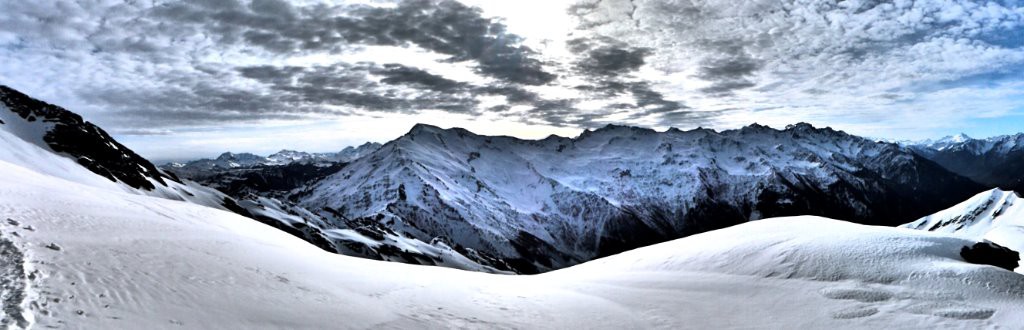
<point>12,285</point>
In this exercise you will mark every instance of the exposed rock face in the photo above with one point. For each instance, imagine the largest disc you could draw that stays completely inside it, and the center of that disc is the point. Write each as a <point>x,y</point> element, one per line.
<point>65,132</point>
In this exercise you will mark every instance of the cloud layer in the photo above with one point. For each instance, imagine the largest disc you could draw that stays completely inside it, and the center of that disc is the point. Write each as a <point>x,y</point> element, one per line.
<point>873,67</point>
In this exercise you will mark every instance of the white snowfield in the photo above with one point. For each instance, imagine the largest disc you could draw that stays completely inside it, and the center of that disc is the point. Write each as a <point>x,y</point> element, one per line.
<point>80,256</point>
<point>995,215</point>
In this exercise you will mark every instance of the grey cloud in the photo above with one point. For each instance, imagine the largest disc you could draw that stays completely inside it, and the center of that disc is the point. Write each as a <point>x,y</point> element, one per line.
<point>603,56</point>
<point>722,88</point>
<point>728,66</point>
<point>447,27</point>
<point>608,64</point>
<point>397,74</point>
<point>403,89</point>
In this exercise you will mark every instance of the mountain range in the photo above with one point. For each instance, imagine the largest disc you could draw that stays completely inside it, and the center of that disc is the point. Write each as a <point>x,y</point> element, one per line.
<point>228,160</point>
<point>995,161</point>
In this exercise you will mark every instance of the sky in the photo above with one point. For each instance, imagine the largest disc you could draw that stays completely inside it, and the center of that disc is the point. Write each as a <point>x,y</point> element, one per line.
<point>188,79</point>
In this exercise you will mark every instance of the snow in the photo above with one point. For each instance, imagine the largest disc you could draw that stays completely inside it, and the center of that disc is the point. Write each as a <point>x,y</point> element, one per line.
<point>995,215</point>
<point>134,261</point>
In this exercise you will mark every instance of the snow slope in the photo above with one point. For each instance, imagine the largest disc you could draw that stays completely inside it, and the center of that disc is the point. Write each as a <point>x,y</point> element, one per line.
<point>995,215</point>
<point>99,259</point>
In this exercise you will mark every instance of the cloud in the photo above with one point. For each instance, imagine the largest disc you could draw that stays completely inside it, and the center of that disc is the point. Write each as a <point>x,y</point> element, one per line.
<point>605,56</point>
<point>194,62</point>
<point>133,66</point>
<point>843,58</point>
<point>446,27</point>
<point>609,67</point>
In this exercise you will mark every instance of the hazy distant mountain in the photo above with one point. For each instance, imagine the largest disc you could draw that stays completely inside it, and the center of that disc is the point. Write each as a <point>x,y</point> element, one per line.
<point>994,162</point>
<point>231,161</point>
<point>555,202</point>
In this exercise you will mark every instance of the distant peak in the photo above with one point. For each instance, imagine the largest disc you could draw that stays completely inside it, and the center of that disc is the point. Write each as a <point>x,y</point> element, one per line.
<point>799,126</point>
<point>616,127</point>
<point>958,138</point>
<point>424,128</point>
<point>755,127</point>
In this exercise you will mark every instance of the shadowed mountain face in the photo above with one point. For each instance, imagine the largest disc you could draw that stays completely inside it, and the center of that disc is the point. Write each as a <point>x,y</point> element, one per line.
<point>555,202</point>
<point>994,162</point>
<point>65,132</point>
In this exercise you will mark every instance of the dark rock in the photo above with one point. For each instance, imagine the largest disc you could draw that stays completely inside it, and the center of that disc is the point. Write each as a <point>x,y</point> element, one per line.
<point>988,253</point>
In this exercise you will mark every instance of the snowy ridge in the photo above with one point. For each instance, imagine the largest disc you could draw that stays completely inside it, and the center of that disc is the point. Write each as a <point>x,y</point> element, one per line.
<point>546,204</point>
<point>134,261</point>
<point>962,142</point>
<point>995,215</point>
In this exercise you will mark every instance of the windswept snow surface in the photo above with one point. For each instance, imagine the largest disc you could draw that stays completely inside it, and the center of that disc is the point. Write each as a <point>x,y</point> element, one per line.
<point>103,259</point>
<point>995,215</point>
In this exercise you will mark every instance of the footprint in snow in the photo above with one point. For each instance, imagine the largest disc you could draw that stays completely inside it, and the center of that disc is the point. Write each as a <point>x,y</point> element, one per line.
<point>951,310</point>
<point>854,312</point>
<point>862,295</point>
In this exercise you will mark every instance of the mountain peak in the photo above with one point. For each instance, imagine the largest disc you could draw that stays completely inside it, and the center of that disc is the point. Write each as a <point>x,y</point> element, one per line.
<point>961,137</point>
<point>801,126</point>
<point>756,127</point>
<point>226,156</point>
<point>421,128</point>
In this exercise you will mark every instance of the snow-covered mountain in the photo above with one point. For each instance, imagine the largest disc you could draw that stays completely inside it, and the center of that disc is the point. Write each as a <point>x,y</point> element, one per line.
<point>995,215</point>
<point>229,161</point>
<point>995,162</point>
<point>57,142</point>
<point>551,203</point>
<point>942,143</point>
<point>106,259</point>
